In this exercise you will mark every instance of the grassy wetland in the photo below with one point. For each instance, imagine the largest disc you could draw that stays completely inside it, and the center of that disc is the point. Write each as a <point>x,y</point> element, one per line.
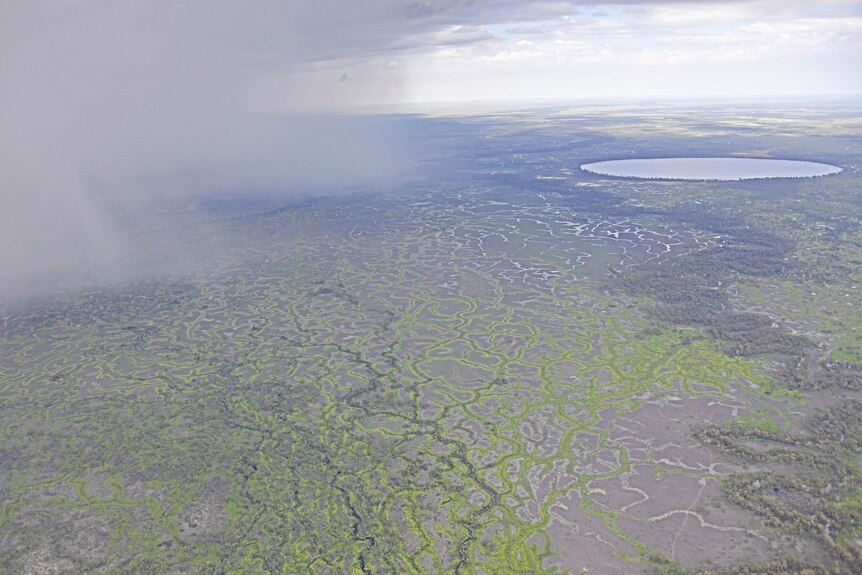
<point>520,368</point>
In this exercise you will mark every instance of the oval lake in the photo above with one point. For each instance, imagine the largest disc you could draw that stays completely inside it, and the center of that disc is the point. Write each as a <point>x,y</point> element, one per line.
<point>722,169</point>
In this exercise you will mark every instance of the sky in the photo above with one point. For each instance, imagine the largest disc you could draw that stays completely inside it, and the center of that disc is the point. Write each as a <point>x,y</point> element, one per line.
<point>460,50</point>
<point>111,109</point>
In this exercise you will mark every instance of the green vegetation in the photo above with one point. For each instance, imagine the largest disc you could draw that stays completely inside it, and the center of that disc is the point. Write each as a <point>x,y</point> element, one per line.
<point>486,377</point>
<point>805,484</point>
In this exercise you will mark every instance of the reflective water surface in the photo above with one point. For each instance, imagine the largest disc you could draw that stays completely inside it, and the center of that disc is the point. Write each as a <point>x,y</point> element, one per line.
<point>723,169</point>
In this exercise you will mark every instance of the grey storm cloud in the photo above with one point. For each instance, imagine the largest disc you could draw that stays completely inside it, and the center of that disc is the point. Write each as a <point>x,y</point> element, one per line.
<point>110,109</point>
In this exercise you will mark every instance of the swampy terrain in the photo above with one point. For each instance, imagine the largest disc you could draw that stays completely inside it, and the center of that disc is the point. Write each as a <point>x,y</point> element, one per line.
<point>506,366</point>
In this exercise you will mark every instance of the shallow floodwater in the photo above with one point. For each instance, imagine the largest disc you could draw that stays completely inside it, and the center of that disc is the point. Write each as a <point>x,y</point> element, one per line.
<point>724,169</point>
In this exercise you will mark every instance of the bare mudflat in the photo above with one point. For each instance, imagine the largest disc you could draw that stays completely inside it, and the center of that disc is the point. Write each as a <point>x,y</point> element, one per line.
<point>719,169</point>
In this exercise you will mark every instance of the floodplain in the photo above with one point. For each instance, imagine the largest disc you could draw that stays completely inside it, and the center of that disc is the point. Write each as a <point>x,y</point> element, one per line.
<point>518,367</point>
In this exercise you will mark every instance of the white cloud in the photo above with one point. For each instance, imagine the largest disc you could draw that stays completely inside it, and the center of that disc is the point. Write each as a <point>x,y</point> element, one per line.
<point>684,47</point>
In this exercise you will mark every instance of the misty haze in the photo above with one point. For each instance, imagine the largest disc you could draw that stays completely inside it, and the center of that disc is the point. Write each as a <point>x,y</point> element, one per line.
<point>430,287</point>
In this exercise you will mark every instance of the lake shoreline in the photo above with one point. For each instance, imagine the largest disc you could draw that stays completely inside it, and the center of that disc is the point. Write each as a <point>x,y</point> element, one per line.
<point>710,169</point>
